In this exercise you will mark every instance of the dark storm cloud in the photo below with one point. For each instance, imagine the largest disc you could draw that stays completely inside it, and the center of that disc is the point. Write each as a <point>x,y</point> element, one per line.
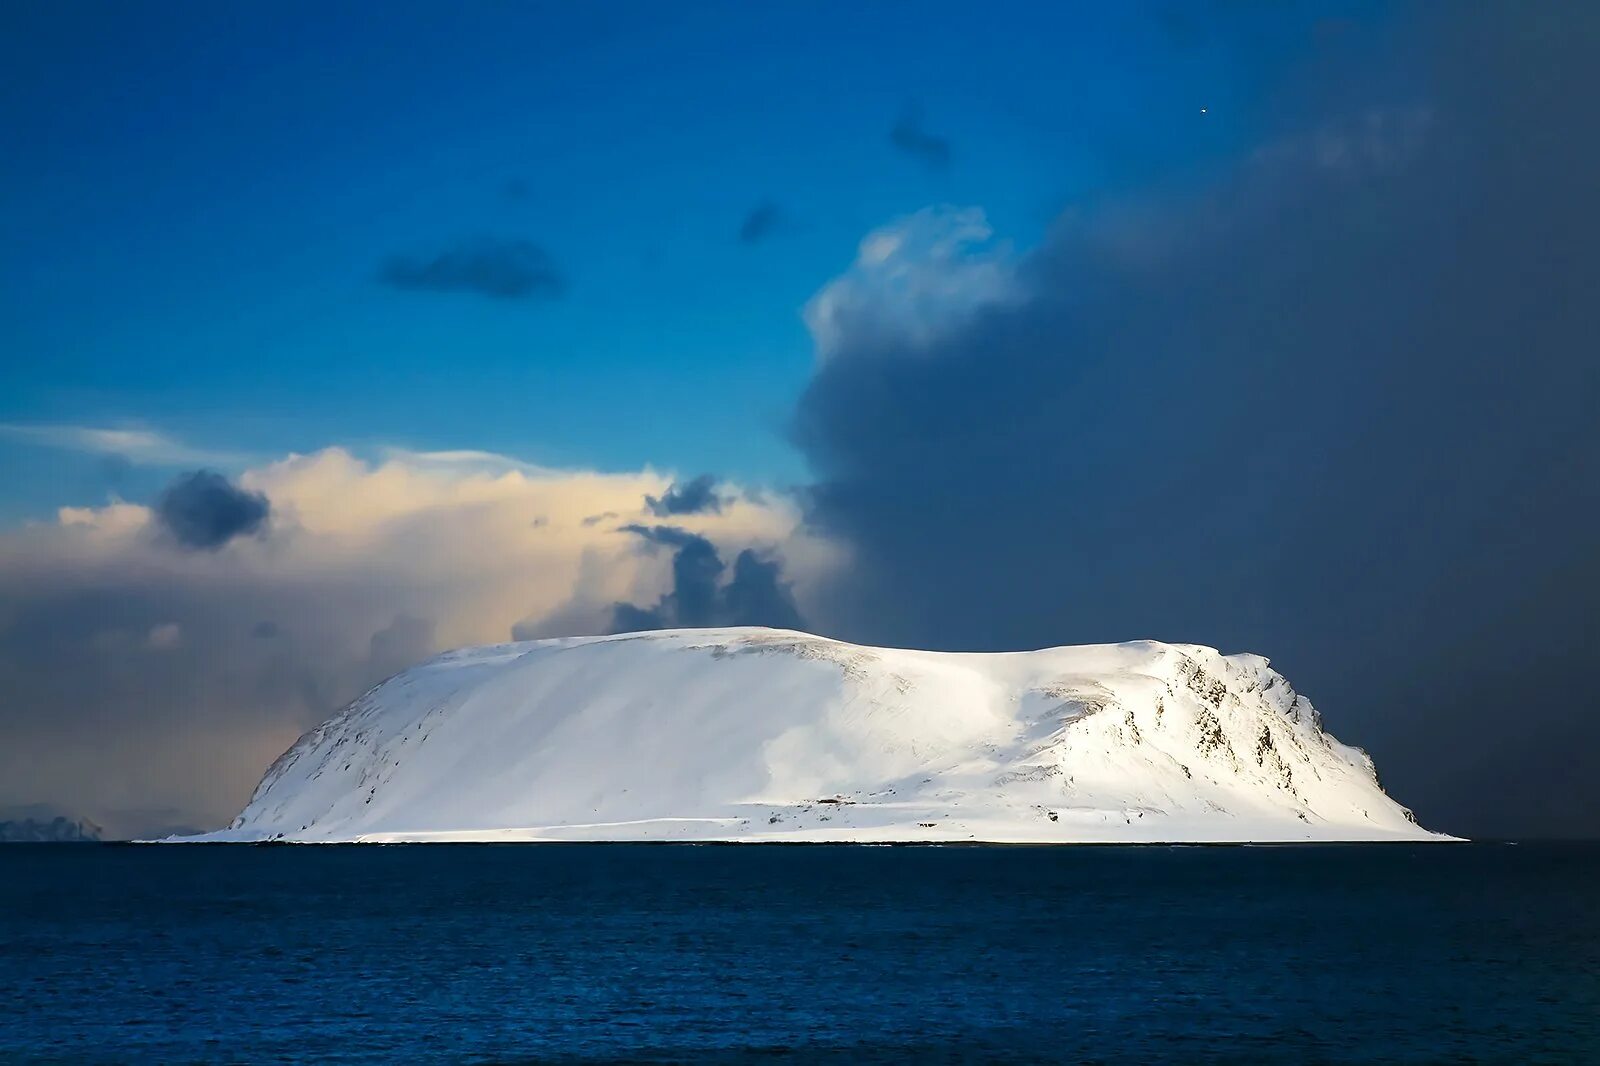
<point>694,598</point>
<point>698,496</point>
<point>695,569</point>
<point>909,135</point>
<point>1338,408</point>
<point>756,595</point>
<point>498,268</point>
<point>760,223</point>
<point>204,510</point>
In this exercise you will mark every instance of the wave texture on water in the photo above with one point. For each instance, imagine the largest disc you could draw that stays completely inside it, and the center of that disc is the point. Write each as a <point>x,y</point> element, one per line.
<point>569,952</point>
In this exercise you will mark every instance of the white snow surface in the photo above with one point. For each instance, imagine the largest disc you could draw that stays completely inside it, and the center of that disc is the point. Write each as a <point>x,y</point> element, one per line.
<point>770,735</point>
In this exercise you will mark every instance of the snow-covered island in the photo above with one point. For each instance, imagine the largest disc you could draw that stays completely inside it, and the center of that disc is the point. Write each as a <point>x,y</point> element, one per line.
<point>770,735</point>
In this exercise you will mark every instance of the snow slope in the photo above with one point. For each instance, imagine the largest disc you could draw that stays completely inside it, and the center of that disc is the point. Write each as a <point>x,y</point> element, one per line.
<point>757,734</point>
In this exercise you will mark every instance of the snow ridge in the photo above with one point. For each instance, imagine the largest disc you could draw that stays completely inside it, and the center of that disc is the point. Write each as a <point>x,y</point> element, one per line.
<point>757,734</point>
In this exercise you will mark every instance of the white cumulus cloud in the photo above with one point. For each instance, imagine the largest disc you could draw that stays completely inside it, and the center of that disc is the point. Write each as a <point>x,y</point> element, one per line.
<point>914,279</point>
<point>140,676</point>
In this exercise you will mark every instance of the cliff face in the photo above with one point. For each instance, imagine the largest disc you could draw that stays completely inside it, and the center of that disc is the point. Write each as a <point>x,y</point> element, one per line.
<point>754,734</point>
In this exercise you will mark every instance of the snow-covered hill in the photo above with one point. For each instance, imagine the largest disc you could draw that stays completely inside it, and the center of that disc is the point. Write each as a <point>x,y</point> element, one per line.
<point>757,734</point>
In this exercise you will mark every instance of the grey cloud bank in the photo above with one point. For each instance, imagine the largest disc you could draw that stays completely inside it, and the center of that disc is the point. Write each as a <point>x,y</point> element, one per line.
<point>1335,406</point>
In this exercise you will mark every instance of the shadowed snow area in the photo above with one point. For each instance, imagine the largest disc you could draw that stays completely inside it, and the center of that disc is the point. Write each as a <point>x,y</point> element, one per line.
<point>759,734</point>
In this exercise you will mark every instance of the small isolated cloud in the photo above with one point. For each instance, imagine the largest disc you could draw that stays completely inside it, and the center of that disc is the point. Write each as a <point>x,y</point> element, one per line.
<point>122,447</point>
<point>909,135</point>
<point>698,496</point>
<point>164,637</point>
<point>755,595</point>
<point>204,510</point>
<point>497,268</point>
<point>760,223</point>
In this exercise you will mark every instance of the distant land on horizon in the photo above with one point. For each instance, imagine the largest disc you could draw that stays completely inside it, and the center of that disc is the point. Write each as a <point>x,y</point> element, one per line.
<point>58,829</point>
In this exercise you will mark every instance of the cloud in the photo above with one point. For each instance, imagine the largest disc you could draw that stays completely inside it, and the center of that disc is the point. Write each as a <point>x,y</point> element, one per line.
<point>1332,402</point>
<point>669,536</point>
<point>912,281</point>
<point>760,223</point>
<point>122,446</point>
<point>463,461</point>
<point>696,566</point>
<point>1380,140</point>
<point>626,618</point>
<point>494,267</point>
<point>404,642</point>
<point>756,594</point>
<point>164,637</point>
<point>908,135</point>
<point>698,496</point>
<point>203,510</point>
<point>142,679</point>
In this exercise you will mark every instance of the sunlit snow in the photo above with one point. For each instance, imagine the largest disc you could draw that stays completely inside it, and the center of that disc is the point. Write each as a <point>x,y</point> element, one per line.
<point>757,734</point>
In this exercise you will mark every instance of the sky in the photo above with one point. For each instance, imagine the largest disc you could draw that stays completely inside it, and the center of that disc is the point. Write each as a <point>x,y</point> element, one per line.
<point>328,342</point>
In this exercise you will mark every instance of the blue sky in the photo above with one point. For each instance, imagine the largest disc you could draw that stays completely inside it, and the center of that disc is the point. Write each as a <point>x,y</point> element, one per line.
<point>198,199</point>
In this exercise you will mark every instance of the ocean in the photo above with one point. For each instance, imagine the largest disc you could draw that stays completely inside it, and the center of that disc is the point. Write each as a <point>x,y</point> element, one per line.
<point>534,953</point>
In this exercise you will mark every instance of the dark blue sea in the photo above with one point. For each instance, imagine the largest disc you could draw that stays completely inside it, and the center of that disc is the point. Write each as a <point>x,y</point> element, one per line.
<point>459,953</point>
